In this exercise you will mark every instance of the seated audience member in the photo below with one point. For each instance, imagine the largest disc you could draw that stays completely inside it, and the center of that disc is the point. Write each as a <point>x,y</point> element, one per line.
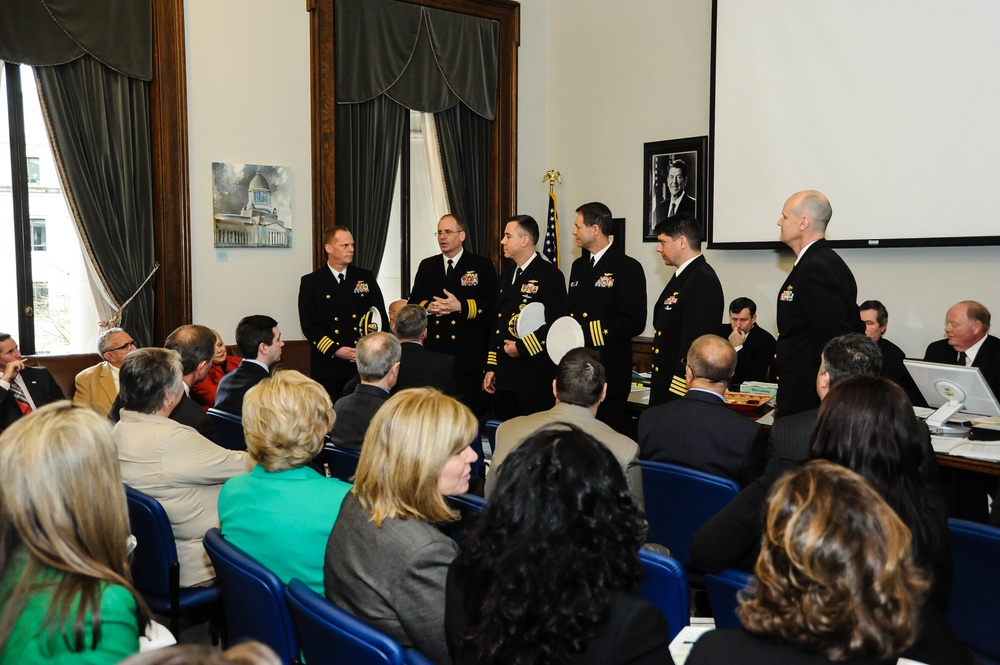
<point>393,309</point>
<point>420,367</point>
<point>579,388</point>
<point>386,561</point>
<point>169,461</point>
<point>205,390</point>
<point>22,389</point>
<point>731,538</point>
<point>836,582</point>
<point>968,343</point>
<point>282,512</point>
<point>260,343</point>
<point>754,345</point>
<point>65,590</point>
<point>196,346</point>
<point>876,317</point>
<point>97,386</point>
<point>699,430</point>
<point>550,571</point>
<point>377,357</point>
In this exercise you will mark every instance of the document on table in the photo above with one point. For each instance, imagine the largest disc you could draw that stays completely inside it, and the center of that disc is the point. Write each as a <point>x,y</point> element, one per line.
<point>680,646</point>
<point>988,451</point>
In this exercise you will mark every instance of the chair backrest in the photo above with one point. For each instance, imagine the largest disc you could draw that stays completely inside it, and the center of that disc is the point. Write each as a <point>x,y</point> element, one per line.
<point>154,560</point>
<point>329,635</point>
<point>723,589</point>
<point>253,598</point>
<point>342,463</point>
<point>678,500</point>
<point>469,505</point>
<point>478,468</point>
<point>491,427</point>
<point>976,585</point>
<point>666,586</point>
<point>228,429</point>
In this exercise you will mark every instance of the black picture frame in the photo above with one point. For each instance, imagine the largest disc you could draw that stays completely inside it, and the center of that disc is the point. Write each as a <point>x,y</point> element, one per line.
<point>657,159</point>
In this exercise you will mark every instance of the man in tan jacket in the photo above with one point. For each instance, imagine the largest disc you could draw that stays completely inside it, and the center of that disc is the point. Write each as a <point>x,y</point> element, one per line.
<point>97,386</point>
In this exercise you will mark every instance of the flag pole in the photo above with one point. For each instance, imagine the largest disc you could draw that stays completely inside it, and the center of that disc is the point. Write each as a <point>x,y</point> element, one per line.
<point>551,247</point>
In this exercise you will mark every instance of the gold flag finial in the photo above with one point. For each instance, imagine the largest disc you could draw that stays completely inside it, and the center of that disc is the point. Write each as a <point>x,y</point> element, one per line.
<point>553,177</point>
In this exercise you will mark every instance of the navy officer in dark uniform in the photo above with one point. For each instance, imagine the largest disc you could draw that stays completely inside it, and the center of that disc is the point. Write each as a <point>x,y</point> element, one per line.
<point>690,305</point>
<point>607,295</point>
<point>334,311</point>
<point>519,372</point>
<point>458,289</point>
<point>817,302</point>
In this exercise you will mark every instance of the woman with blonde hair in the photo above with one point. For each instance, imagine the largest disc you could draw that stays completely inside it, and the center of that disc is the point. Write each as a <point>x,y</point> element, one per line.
<point>836,581</point>
<point>65,594</point>
<point>282,512</point>
<point>386,562</point>
<point>203,392</point>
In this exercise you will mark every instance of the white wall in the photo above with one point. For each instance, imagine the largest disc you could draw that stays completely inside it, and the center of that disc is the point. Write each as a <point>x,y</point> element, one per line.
<point>596,81</point>
<point>248,102</point>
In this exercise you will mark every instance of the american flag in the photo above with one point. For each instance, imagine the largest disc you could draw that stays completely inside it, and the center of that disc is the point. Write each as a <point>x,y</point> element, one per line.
<point>551,248</point>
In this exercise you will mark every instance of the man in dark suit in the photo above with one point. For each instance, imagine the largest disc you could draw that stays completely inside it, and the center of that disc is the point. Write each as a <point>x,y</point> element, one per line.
<point>700,431</point>
<point>731,539</point>
<point>607,295</point>
<point>334,306</point>
<point>690,306</point>
<point>196,345</point>
<point>378,356</point>
<point>817,302</point>
<point>22,389</point>
<point>876,317</point>
<point>420,367</point>
<point>519,372</point>
<point>968,343</point>
<point>754,345</point>
<point>260,344</point>
<point>459,290</point>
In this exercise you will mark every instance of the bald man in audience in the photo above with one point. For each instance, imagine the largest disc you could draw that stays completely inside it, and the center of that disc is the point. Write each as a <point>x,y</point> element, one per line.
<point>817,302</point>
<point>699,431</point>
<point>97,386</point>
<point>968,342</point>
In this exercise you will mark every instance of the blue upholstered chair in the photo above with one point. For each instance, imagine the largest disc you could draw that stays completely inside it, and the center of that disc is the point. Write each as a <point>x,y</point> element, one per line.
<point>342,463</point>
<point>331,636</point>
<point>491,433</point>
<point>228,429</point>
<point>666,586</point>
<point>253,598</point>
<point>976,586</point>
<point>155,568</point>
<point>722,595</point>
<point>469,505</point>
<point>678,501</point>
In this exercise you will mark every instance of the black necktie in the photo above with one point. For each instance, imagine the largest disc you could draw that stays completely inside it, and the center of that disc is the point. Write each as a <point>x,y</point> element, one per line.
<point>673,210</point>
<point>592,262</point>
<point>517,275</point>
<point>962,358</point>
<point>447,272</point>
<point>340,278</point>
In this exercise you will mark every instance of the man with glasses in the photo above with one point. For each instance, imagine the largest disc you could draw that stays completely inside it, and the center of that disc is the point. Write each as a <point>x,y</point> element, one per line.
<point>22,389</point>
<point>97,386</point>
<point>458,290</point>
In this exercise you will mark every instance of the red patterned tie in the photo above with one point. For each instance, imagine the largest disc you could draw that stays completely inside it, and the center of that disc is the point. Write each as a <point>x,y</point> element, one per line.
<point>22,401</point>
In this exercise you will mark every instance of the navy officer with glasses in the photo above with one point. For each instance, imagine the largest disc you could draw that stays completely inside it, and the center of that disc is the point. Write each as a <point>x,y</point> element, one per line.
<point>458,289</point>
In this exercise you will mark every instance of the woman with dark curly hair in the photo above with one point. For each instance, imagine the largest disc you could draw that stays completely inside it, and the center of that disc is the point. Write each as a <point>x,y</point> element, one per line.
<point>549,572</point>
<point>836,579</point>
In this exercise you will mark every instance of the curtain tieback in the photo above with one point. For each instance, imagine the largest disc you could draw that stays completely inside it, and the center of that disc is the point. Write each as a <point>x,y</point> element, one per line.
<point>116,318</point>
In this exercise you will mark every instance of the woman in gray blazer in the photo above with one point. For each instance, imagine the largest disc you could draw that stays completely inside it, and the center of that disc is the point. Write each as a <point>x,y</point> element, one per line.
<point>386,561</point>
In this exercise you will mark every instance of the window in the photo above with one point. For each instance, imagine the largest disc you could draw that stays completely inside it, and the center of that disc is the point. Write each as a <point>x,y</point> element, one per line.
<point>52,308</point>
<point>37,235</point>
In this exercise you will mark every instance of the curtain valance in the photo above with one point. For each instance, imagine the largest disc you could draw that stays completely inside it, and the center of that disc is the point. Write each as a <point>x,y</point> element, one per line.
<point>425,59</point>
<point>117,33</point>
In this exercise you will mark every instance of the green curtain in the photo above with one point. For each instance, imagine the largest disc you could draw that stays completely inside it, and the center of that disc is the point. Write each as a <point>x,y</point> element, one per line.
<point>368,138</point>
<point>464,139</point>
<point>99,122</point>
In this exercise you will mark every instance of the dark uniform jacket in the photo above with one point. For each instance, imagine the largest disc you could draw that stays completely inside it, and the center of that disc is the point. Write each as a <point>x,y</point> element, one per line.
<point>533,370</point>
<point>332,316</point>
<point>609,302</point>
<point>755,359</point>
<point>690,306</point>
<point>817,302</point>
<point>464,334</point>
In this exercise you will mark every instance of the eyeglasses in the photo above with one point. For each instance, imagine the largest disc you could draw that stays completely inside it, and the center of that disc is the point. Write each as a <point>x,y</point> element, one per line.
<point>447,233</point>
<point>127,344</point>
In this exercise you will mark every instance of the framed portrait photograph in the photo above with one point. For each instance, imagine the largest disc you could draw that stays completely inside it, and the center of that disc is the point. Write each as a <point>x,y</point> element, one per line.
<point>676,181</point>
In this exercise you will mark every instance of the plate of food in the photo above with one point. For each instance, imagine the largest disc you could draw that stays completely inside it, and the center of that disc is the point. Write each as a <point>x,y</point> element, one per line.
<point>745,401</point>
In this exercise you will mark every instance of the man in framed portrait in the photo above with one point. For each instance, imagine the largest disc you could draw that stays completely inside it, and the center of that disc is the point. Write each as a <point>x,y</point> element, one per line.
<point>677,200</point>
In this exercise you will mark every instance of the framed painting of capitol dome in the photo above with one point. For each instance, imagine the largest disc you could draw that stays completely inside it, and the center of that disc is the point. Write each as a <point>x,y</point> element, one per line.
<point>252,205</point>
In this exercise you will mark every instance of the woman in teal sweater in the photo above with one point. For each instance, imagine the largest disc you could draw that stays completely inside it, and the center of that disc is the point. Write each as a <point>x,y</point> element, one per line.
<point>65,594</point>
<point>282,512</point>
